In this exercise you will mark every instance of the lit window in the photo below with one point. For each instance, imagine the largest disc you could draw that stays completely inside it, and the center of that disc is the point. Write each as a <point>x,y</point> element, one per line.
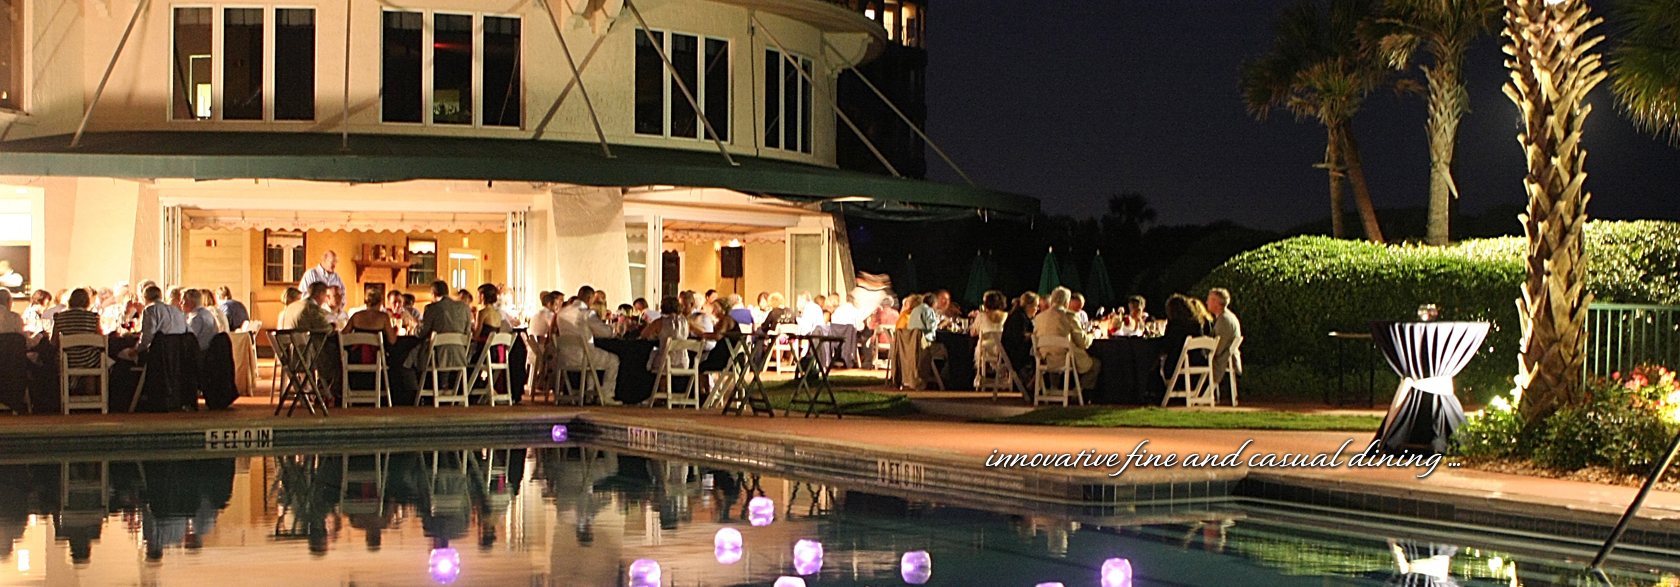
<point>192,63</point>
<point>702,64</point>
<point>283,256</point>
<point>788,100</point>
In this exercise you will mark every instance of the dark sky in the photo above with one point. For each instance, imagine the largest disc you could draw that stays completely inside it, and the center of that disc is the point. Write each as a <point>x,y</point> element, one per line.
<point>1072,100</point>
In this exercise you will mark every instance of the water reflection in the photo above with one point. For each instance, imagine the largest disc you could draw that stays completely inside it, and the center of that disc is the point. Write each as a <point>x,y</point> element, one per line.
<point>579,515</point>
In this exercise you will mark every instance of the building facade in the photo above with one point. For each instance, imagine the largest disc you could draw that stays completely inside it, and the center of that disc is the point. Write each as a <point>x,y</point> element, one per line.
<point>211,144</point>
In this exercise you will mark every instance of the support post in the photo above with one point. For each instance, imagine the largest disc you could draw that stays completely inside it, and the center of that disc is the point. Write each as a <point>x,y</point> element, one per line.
<point>1638,501</point>
<point>672,69</point>
<point>832,102</point>
<point>112,66</point>
<point>567,89</point>
<point>344,133</point>
<point>901,115</point>
<point>577,77</point>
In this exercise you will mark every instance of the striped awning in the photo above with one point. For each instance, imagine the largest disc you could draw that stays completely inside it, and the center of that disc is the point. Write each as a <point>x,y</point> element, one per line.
<point>343,221</point>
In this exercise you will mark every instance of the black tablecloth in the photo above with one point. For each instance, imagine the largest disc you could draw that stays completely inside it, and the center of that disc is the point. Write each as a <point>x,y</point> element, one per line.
<point>959,363</point>
<point>1129,374</point>
<point>635,382</point>
<point>1424,418</point>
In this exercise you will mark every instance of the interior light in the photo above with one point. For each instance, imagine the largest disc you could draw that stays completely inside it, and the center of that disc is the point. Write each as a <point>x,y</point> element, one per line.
<point>22,191</point>
<point>734,242</point>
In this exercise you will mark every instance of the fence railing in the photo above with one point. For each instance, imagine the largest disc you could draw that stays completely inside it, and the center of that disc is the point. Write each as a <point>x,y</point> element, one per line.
<point>1623,336</point>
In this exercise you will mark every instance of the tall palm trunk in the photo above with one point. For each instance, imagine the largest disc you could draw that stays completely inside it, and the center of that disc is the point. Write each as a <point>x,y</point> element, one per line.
<point>1552,69</point>
<point>1448,101</point>
<point>1361,191</point>
<point>1333,165</point>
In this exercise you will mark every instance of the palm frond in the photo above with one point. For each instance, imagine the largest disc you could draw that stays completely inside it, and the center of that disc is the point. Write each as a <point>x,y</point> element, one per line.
<point>1646,65</point>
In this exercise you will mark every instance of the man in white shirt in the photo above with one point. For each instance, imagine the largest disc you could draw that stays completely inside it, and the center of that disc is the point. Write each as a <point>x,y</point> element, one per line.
<point>810,314</point>
<point>158,318</point>
<point>10,322</point>
<point>848,314</point>
<point>1227,358</point>
<point>577,320</point>
<point>293,300</point>
<point>648,313</point>
<point>323,273</point>
<point>200,322</point>
<point>542,322</point>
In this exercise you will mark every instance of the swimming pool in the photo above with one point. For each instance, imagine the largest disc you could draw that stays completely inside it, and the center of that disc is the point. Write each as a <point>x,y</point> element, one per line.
<point>582,514</point>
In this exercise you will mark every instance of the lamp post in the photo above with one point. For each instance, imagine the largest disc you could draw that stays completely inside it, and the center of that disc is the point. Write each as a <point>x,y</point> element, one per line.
<point>1552,69</point>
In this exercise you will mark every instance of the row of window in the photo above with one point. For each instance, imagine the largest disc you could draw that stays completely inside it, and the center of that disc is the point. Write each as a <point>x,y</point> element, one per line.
<point>458,69</point>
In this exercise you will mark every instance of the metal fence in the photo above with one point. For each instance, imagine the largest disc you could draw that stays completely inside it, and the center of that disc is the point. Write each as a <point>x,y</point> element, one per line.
<point>1623,336</point>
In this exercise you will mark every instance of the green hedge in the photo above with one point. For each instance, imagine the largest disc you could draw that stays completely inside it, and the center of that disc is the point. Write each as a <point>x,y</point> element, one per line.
<point>1290,294</point>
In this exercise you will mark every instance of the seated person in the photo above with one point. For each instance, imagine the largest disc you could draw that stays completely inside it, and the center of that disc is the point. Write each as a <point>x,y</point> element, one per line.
<point>1059,322</point>
<point>77,319</point>
<point>576,320</point>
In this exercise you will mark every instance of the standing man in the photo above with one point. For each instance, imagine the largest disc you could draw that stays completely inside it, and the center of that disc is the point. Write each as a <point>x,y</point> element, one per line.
<point>323,273</point>
<point>1227,356</point>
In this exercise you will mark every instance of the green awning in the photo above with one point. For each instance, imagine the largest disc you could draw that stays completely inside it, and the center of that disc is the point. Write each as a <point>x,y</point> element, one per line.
<point>388,158</point>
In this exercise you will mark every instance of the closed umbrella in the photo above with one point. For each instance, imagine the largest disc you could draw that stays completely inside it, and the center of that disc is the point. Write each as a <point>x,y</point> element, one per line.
<point>1050,277</point>
<point>907,278</point>
<point>1102,291</point>
<point>1070,274</point>
<point>979,280</point>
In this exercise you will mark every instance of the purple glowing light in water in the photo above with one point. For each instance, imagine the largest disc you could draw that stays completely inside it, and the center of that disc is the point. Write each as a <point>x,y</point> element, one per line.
<point>916,567</point>
<point>445,565</point>
<point>727,546</point>
<point>790,582</point>
<point>558,433</point>
<point>1050,584</point>
<point>644,573</point>
<point>807,557</point>
<point>761,511</point>
<point>1117,572</point>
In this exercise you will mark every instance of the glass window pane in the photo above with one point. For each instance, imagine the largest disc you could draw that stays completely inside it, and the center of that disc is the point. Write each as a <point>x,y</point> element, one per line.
<point>772,99</point>
<point>650,85</point>
<point>717,87</point>
<point>805,116</point>
<point>294,64</point>
<point>685,56</point>
<point>400,99</point>
<point>242,64</point>
<point>11,50</point>
<point>192,63</point>
<point>502,96</point>
<point>636,235</point>
<point>807,263</point>
<point>790,106</point>
<point>452,68</point>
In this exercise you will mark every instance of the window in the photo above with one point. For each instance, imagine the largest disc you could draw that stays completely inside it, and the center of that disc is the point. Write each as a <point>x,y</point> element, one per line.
<point>787,103</point>
<point>11,54</point>
<point>474,76</point>
<point>702,64</point>
<point>422,257</point>
<point>250,71</point>
<point>294,52</point>
<point>283,256</point>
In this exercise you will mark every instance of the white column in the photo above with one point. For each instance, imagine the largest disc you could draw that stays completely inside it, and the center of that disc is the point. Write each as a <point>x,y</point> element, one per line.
<point>517,278</point>
<point>653,278</point>
<point>587,242</point>
<point>169,247</point>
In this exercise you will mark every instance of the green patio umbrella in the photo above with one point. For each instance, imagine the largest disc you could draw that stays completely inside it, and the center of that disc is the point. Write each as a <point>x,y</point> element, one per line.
<point>1050,276</point>
<point>979,280</point>
<point>1102,290</point>
<point>905,282</point>
<point>1070,274</point>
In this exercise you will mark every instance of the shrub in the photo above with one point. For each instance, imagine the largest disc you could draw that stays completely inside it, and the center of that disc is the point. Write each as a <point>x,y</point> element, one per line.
<point>1625,426</point>
<point>1290,294</point>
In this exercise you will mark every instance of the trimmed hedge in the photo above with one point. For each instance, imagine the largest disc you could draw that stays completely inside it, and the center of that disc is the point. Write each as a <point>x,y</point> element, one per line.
<point>1290,294</point>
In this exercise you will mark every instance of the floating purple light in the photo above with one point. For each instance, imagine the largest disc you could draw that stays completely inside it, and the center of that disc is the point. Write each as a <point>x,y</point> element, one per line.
<point>727,545</point>
<point>445,565</point>
<point>1117,572</point>
<point>644,573</point>
<point>807,557</point>
<point>790,582</point>
<point>1050,584</point>
<point>916,567</point>
<point>761,511</point>
<point>558,433</point>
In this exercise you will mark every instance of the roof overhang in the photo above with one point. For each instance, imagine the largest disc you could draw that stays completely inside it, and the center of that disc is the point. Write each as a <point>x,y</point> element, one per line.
<point>390,158</point>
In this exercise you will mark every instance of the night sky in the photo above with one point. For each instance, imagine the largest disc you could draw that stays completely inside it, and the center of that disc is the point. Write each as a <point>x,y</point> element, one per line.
<point>1069,101</point>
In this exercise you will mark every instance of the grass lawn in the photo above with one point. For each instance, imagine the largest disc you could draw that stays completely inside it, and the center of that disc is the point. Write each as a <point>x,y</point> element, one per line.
<point>852,401</point>
<point>1106,417</point>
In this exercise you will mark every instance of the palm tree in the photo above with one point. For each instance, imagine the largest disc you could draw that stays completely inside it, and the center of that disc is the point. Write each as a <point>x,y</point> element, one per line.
<point>1319,67</point>
<point>1647,65</point>
<point>1552,69</point>
<point>1444,29</point>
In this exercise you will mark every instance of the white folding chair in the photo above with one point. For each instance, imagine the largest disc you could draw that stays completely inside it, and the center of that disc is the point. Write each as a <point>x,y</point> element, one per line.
<point>354,481</point>
<point>783,356</point>
<point>541,367</point>
<point>677,350</point>
<point>457,393</point>
<point>724,381</point>
<point>1054,355</point>
<point>380,393</point>
<point>276,369</point>
<point>992,369</point>
<point>66,372</point>
<point>588,381</point>
<point>1194,378</point>
<point>492,361</point>
<point>1232,372</point>
<point>296,353</point>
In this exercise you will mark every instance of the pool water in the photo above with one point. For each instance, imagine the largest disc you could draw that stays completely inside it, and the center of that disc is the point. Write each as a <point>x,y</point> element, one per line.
<point>580,515</point>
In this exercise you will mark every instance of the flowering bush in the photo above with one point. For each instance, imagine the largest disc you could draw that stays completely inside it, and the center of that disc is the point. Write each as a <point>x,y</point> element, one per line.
<point>1624,426</point>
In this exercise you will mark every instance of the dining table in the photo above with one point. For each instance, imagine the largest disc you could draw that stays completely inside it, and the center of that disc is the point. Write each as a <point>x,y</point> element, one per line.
<point>635,381</point>
<point>958,370</point>
<point>1130,373</point>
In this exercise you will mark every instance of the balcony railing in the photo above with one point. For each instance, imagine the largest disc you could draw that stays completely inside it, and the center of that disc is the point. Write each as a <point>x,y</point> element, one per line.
<point>1623,336</point>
